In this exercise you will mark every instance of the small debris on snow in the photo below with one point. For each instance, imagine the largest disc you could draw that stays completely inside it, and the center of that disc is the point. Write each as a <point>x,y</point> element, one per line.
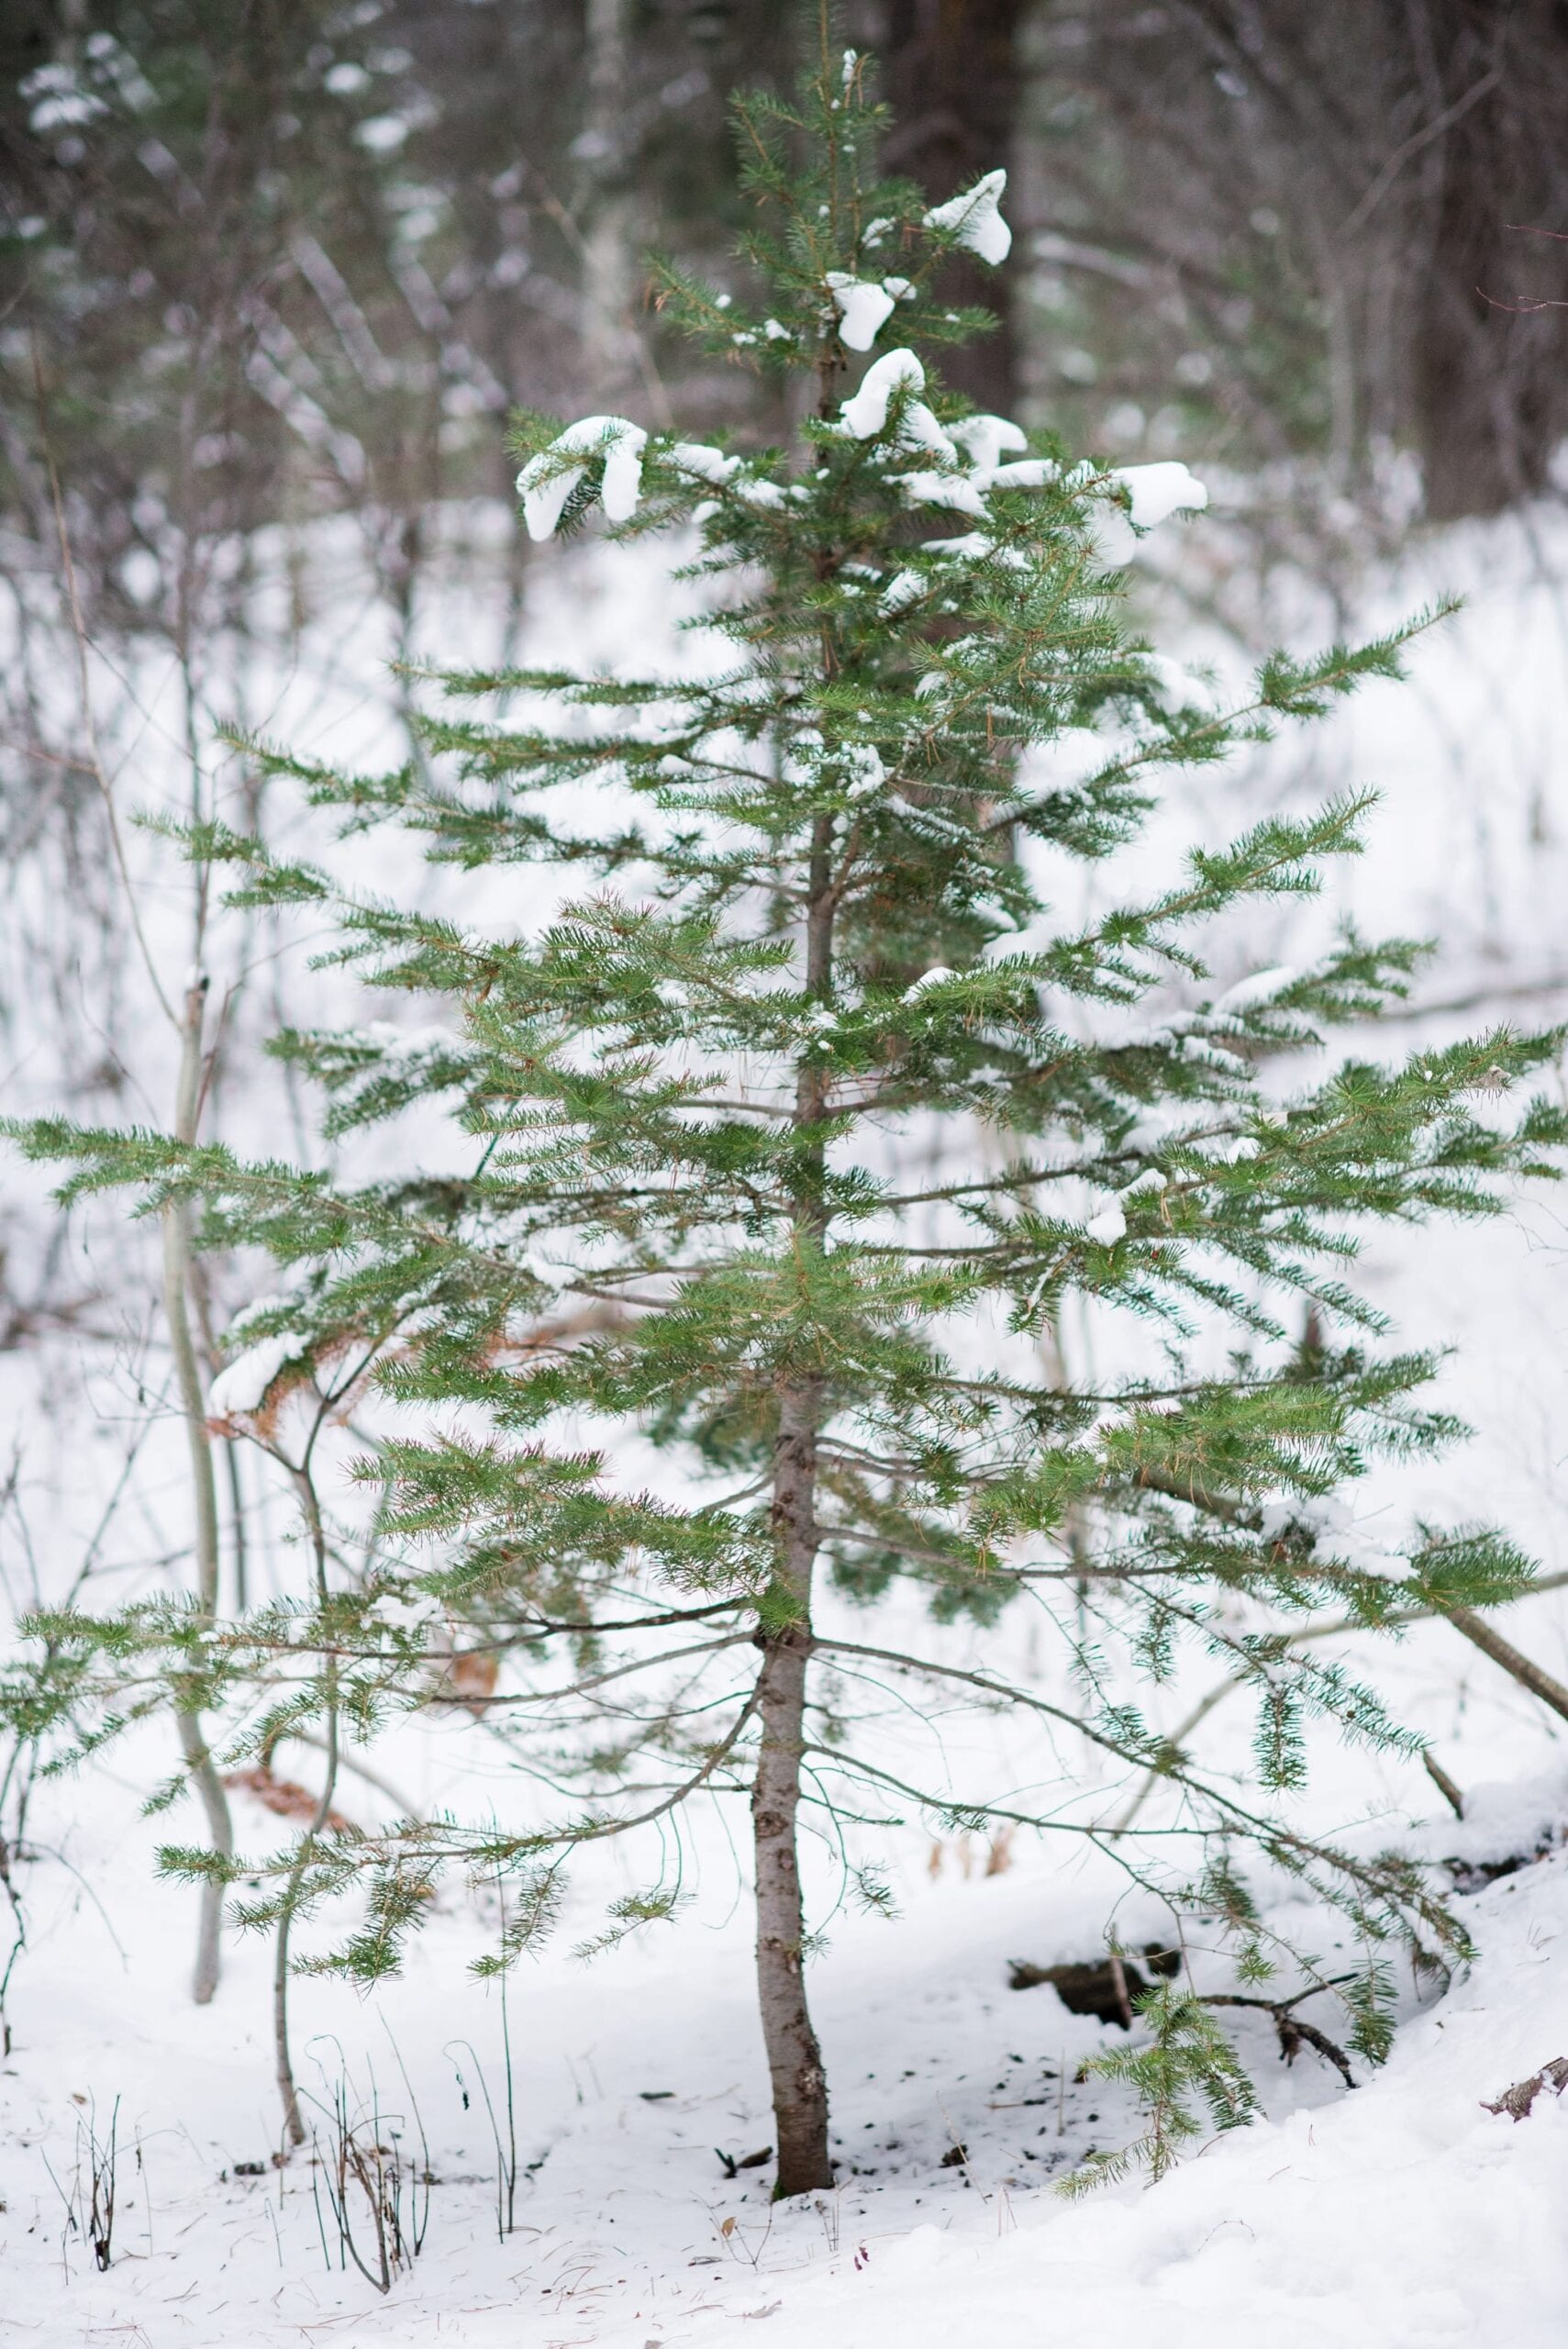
<point>1518,2100</point>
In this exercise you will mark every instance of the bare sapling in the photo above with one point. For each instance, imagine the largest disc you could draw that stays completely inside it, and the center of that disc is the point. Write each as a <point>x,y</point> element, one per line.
<point>199,1763</point>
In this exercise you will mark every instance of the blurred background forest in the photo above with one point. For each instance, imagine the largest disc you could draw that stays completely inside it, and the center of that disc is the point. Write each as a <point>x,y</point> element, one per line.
<point>272,275</point>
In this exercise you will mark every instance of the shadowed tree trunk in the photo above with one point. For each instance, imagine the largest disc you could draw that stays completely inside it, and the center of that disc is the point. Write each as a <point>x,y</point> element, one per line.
<point>1490,366</point>
<point>949,70</point>
<point>608,205</point>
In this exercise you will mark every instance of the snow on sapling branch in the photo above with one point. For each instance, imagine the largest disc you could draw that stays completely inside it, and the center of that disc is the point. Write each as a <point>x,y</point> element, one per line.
<point>794,1133</point>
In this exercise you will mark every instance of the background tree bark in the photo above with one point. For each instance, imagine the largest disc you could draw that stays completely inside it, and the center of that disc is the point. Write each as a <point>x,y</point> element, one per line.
<point>949,70</point>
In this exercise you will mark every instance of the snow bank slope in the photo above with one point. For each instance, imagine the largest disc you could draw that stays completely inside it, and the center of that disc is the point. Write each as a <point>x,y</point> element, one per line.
<point>1405,2217</point>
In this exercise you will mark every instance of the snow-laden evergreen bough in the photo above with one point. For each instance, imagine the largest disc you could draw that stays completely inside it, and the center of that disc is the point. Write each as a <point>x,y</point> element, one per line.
<point>789,1139</point>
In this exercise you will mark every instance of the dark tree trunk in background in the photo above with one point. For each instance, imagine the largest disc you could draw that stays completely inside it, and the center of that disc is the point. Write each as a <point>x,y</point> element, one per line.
<point>1490,373</point>
<point>950,70</point>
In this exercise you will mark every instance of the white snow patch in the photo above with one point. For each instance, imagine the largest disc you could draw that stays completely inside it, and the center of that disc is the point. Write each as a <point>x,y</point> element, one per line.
<point>1108,1225</point>
<point>955,490</point>
<point>1030,473</point>
<point>864,773</point>
<point>932,978</point>
<point>986,438</point>
<point>919,429</point>
<point>703,462</point>
<point>754,492</point>
<point>1178,686</point>
<point>243,1385</point>
<point>1261,988</point>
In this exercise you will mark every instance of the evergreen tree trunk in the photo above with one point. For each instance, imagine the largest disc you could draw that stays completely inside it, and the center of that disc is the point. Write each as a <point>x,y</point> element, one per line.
<point>794,2059</point>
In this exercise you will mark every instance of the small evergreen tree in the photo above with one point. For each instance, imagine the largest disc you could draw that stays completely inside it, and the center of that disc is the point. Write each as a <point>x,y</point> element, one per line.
<point>811,937</point>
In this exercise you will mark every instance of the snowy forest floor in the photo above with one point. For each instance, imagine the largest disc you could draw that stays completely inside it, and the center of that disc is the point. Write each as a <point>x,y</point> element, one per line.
<point>1402,2213</point>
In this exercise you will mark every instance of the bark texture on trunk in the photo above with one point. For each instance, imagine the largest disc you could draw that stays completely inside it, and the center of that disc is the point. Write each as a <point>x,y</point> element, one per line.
<point>794,2059</point>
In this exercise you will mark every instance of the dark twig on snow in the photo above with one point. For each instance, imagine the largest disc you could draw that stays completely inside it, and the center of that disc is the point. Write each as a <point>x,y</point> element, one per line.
<point>1443,1783</point>
<point>1294,2032</point>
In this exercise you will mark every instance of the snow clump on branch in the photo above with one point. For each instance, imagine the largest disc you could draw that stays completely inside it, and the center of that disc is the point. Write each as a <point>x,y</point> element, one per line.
<point>1159,491</point>
<point>976,218</point>
<point>866,412</point>
<point>863,309</point>
<point>547,480</point>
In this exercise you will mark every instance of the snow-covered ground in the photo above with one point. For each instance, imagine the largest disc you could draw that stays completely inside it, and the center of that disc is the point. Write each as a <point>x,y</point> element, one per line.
<point>1398,2215</point>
